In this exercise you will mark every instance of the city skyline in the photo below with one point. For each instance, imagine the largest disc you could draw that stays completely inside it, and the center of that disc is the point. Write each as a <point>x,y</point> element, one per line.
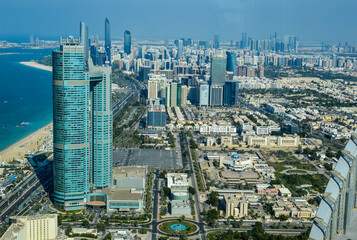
<point>311,21</point>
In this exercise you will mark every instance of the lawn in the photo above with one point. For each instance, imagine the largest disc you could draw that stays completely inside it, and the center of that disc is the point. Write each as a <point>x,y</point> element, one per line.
<point>190,228</point>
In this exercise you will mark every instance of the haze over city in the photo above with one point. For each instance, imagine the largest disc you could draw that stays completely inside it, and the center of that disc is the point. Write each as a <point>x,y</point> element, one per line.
<point>318,20</point>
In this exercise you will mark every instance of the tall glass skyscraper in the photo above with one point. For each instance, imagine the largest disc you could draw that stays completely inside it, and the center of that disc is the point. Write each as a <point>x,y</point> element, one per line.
<point>218,70</point>
<point>231,91</point>
<point>84,40</point>
<point>101,126</point>
<point>71,136</point>
<point>231,62</point>
<point>82,124</point>
<point>108,40</point>
<point>127,42</point>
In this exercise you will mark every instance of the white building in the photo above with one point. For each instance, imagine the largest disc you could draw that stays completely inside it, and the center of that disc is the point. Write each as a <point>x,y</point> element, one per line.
<point>36,227</point>
<point>177,180</point>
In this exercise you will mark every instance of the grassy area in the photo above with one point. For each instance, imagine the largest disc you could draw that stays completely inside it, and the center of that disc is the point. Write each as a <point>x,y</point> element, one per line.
<point>190,228</point>
<point>287,158</point>
<point>292,182</point>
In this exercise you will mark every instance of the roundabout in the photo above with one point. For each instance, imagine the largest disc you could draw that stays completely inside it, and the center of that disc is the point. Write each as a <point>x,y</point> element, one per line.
<point>177,228</point>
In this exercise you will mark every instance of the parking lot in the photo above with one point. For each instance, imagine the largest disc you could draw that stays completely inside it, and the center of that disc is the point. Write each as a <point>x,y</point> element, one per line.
<point>153,158</point>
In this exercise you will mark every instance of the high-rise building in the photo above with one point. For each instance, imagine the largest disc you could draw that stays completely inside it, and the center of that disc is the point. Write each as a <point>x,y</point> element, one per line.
<point>218,70</point>
<point>84,40</point>
<point>82,126</point>
<point>216,41</point>
<point>35,227</point>
<point>231,91</point>
<point>204,94</point>
<point>173,94</point>
<point>156,117</point>
<point>108,40</point>
<point>179,49</point>
<point>101,119</point>
<point>70,125</point>
<point>32,39</point>
<point>338,204</point>
<point>153,88</point>
<point>184,94</point>
<point>244,41</point>
<point>216,95</point>
<point>231,62</point>
<point>127,42</point>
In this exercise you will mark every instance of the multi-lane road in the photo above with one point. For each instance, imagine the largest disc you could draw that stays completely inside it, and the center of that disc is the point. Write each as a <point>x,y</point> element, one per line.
<point>44,177</point>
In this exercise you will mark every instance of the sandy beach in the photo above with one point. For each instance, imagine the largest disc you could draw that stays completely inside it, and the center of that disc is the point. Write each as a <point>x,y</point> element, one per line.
<point>37,65</point>
<point>31,143</point>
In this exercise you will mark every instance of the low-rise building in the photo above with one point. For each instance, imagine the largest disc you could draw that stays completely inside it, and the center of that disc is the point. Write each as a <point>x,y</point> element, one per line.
<point>235,205</point>
<point>180,207</point>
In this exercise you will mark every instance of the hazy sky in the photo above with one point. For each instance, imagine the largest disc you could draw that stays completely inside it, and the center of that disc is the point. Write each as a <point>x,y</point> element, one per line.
<point>311,20</point>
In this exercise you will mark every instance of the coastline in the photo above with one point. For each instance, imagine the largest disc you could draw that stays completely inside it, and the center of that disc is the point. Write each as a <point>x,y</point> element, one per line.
<point>31,143</point>
<point>37,65</point>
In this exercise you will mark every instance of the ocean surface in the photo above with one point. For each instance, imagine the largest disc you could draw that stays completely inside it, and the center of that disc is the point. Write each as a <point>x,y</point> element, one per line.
<point>25,95</point>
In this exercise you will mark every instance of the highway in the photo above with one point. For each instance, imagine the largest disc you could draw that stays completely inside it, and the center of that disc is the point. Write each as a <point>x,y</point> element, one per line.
<point>155,191</point>
<point>45,179</point>
<point>200,222</point>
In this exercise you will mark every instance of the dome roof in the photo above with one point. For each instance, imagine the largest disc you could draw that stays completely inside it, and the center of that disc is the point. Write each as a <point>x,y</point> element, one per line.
<point>235,156</point>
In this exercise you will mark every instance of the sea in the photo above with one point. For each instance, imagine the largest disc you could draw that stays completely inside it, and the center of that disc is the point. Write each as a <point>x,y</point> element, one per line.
<point>25,94</point>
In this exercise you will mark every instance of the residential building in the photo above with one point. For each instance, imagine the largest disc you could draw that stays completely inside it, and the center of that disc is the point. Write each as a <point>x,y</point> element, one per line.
<point>35,227</point>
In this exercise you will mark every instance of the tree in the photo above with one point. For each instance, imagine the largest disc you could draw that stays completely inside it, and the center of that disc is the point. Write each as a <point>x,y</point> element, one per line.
<point>68,230</point>
<point>108,236</point>
<point>101,227</point>
<point>213,199</point>
<point>191,190</point>
<point>143,231</point>
<point>212,216</point>
<point>283,218</point>
<point>85,223</point>
<point>166,191</point>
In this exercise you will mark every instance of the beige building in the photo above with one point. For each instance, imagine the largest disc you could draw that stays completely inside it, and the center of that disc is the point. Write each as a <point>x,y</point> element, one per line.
<point>37,227</point>
<point>153,88</point>
<point>184,93</point>
<point>236,205</point>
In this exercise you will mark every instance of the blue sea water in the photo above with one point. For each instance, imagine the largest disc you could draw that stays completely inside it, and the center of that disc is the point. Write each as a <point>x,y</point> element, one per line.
<point>25,95</point>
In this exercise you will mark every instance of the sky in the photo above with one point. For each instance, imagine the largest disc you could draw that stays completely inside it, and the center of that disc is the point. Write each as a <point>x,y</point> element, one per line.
<point>311,20</point>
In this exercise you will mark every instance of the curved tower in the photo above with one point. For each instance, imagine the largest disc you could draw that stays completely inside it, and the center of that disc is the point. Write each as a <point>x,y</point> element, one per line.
<point>70,125</point>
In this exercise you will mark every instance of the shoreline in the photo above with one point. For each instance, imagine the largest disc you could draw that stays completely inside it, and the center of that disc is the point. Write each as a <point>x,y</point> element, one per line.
<point>37,65</point>
<point>32,142</point>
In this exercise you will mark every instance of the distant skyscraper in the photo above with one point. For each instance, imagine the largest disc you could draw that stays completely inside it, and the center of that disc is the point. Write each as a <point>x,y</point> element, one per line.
<point>231,91</point>
<point>179,49</point>
<point>82,126</point>
<point>204,94</point>
<point>218,70</point>
<point>108,40</point>
<point>84,40</point>
<point>127,42</point>
<point>216,41</point>
<point>32,40</point>
<point>244,41</point>
<point>231,62</point>
<point>71,138</point>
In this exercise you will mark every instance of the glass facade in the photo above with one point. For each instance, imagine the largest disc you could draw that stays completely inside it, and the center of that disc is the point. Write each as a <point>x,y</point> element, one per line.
<point>84,40</point>
<point>82,125</point>
<point>218,70</point>
<point>127,42</point>
<point>70,125</point>
<point>108,40</point>
<point>231,91</point>
<point>101,126</point>
<point>231,62</point>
